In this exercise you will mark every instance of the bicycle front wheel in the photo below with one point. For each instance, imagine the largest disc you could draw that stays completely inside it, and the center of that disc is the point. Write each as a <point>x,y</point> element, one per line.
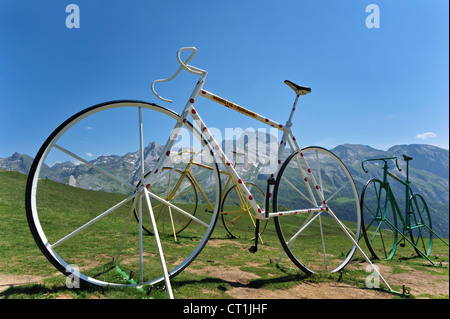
<point>318,238</point>
<point>379,219</point>
<point>84,186</point>
<point>237,214</point>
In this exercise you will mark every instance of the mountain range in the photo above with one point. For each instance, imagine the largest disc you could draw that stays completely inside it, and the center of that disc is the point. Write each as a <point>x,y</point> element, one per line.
<point>428,171</point>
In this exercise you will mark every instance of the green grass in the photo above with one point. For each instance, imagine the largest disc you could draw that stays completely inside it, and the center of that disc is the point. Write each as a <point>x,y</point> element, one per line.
<point>20,255</point>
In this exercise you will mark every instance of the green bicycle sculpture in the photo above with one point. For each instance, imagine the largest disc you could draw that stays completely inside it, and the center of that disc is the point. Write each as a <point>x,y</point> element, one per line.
<point>386,224</point>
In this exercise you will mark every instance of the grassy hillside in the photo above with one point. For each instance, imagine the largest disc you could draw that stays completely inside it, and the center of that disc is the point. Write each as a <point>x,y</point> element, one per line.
<point>223,269</point>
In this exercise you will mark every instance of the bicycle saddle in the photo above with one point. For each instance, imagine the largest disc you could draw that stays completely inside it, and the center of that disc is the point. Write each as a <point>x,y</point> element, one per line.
<point>407,158</point>
<point>298,89</point>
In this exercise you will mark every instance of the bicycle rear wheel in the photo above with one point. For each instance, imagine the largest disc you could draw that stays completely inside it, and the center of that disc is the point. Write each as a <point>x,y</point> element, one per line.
<point>313,239</point>
<point>177,188</point>
<point>83,188</point>
<point>420,226</point>
<point>379,219</point>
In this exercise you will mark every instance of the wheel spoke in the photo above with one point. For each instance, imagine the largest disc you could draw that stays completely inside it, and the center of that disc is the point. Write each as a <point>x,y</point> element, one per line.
<point>66,214</point>
<point>336,192</point>
<point>94,167</point>
<point>300,214</point>
<point>93,220</point>
<point>178,209</point>
<point>298,191</point>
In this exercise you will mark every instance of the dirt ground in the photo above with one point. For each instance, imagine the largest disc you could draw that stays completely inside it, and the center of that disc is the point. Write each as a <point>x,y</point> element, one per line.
<point>10,281</point>
<point>422,285</point>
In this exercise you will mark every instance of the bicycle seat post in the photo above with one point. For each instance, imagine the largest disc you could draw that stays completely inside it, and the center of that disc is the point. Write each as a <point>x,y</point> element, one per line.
<point>299,90</point>
<point>407,159</point>
<point>385,171</point>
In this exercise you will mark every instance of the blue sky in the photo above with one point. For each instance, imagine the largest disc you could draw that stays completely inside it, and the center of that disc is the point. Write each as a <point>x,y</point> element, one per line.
<point>379,86</point>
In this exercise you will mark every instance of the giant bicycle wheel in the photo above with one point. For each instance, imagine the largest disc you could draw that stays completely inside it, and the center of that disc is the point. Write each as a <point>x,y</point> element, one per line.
<point>317,239</point>
<point>420,225</point>
<point>237,215</point>
<point>379,219</point>
<point>82,191</point>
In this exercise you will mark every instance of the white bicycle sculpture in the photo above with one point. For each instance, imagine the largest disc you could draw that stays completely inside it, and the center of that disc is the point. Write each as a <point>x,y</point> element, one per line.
<point>313,197</point>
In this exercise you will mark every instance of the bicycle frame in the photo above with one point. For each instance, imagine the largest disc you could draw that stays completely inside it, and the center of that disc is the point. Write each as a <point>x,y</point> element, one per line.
<point>408,191</point>
<point>405,220</point>
<point>287,137</point>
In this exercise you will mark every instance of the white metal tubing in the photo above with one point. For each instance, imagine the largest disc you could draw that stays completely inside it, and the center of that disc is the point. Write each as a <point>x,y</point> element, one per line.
<point>189,68</point>
<point>119,252</point>
<point>298,211</point>
<point>141,248</point>
<point>174,134</point>
<point>298,191</point>
<point>242,110</point>
<point>359,248</point>
<point>172,77</point>
<point>226,162</point>
<point>177,208</point>
<point>141,143</point>
<point>93,220</point>
<point>311,177</point>
<point>158,245</point>
<point>299,166</point>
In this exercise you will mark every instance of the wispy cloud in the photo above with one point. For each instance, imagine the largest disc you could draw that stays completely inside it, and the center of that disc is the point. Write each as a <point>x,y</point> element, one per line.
<point>89,128</point>
<point>426,135</point>
<point>89,154</point>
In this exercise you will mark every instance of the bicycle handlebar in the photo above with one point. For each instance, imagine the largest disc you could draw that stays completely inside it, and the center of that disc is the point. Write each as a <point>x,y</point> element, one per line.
<point>384,159</point>
<point>184,65</point>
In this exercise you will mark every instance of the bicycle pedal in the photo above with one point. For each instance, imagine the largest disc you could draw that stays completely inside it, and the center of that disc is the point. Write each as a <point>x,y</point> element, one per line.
<point>253,249</point>
<point>402,245</point>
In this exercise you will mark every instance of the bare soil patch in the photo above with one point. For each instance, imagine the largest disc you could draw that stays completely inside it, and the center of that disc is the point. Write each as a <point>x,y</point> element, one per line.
<point>422,285</point>
<point>10,281</point>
